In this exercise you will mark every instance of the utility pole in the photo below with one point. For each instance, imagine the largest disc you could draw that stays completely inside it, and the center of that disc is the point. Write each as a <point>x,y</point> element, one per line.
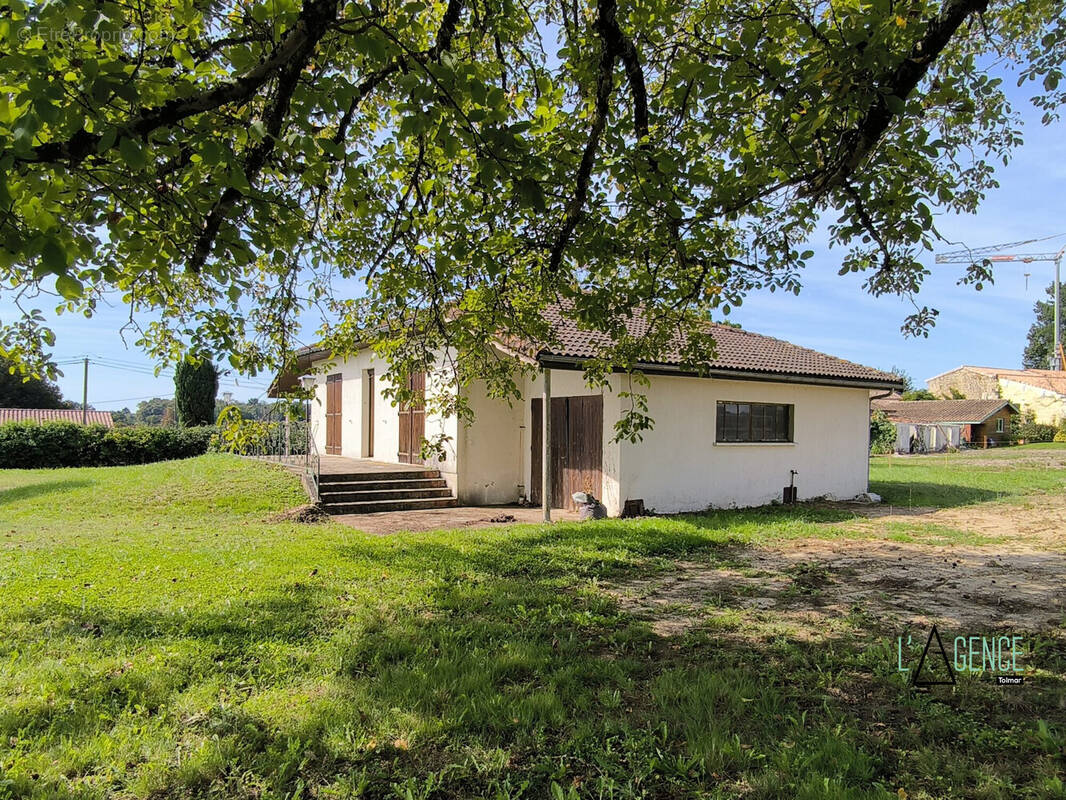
<point>85,394</point>
<point>996,254</point>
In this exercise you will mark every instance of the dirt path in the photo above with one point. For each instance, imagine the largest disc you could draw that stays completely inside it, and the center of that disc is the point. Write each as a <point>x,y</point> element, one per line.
<point>1037,523</point>
<point>807,584</point>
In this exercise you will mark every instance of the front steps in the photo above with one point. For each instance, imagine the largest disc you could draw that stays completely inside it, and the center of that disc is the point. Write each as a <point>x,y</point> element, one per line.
<point>367,492</point>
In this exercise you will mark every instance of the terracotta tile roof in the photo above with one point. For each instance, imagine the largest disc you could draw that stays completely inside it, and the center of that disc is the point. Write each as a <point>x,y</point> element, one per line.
<point>55,415</point>
<point>1050,380</point>
<point>737,350</point>
<point>922,412</point>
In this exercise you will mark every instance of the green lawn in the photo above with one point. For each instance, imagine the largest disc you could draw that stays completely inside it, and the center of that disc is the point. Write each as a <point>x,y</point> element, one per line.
<point>162,639</point>
<point>972,476</point>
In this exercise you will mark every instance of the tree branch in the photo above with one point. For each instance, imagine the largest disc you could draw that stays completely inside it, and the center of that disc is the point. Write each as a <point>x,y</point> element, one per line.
<point>605,20</point>
<point>297,41</point>
<point>857,144</point>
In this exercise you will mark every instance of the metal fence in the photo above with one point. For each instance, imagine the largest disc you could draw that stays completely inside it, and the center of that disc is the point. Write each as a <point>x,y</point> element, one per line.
<point>289,442</point>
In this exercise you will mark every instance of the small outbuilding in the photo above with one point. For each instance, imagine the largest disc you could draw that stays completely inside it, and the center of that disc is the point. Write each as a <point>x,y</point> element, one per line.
<point>936,425</point>
<point>1040,392</point>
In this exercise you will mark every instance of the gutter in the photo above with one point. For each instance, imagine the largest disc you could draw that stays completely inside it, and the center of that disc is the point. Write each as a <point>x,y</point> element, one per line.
<point>575,363</point>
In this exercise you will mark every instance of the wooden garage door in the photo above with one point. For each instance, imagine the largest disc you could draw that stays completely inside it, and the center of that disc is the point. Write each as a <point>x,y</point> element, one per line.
<point>413,422</point>
<point>333,414</point>
<point>576,448</point>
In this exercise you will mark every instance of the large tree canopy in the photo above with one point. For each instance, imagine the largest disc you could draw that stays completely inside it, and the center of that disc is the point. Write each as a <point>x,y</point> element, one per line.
<point>222,166</point>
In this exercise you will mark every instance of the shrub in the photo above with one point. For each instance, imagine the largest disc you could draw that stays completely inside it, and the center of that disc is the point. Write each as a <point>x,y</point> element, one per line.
<point>1035,432</point>
<point>246,437</point>
<point>918,394</point>
<point>1060,436</point>
<point>29,445</point>
<point>882,433</point>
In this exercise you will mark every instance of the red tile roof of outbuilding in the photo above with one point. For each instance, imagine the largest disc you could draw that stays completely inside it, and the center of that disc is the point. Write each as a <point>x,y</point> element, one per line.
<point>930,412</point>
<point>55,415</point>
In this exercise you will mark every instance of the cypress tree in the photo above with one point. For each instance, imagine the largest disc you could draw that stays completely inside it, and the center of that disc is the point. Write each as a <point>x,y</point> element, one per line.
<point>195,388</point>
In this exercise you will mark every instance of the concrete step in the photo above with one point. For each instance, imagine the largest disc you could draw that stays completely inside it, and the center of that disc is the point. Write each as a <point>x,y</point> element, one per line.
<point>399,493</point>
<point>339,487</point>
<point>372,506</point>
<point>361,477</point>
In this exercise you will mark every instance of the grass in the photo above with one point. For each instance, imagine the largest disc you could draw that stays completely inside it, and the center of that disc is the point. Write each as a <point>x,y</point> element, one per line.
<point>163,639</point>
<point>973,476</point>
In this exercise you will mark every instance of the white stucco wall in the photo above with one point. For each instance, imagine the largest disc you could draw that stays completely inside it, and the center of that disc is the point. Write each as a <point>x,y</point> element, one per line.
<point>386,419</point>
<point>490,450</point>
<point>679,467</point>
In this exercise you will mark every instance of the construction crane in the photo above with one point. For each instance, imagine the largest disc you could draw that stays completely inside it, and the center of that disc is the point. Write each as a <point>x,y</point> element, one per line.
<point>1000,253</point>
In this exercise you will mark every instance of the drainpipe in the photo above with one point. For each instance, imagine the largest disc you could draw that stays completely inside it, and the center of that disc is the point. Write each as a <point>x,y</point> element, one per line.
<point>545,446</point>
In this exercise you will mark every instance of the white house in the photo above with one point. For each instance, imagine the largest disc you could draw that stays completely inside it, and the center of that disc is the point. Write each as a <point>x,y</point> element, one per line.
<point>728,439</point>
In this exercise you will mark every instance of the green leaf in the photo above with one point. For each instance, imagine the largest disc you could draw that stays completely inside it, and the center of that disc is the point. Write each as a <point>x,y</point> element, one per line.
<point>131,152</point>
<point>69,287</point>
<point>54,257</point>
<point>107,140</point>
<point>895,104</point>
<point>530,194</point>
<point>238,180</point>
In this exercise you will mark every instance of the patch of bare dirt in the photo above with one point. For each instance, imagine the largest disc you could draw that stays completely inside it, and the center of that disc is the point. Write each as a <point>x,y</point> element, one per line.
<point>1039,523</point>
<point>805,587</point>
<point>1052,459</point>
<point>305,513</point>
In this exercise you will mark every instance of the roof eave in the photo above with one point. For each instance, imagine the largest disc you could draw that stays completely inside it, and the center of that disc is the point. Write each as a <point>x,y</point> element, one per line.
<point>576,363</point>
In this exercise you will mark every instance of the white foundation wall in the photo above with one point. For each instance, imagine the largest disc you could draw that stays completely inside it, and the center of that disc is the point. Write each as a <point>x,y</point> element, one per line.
<point>679,467</point>
<point>354,416</point>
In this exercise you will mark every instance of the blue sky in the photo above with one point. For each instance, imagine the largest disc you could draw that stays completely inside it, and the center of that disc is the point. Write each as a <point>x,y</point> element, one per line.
<point>831,314</point>
<point>987,327</point>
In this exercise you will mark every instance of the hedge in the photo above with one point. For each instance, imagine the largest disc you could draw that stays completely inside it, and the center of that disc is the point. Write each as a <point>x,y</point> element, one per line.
<point>29,445</point>
<point>1034,432</point>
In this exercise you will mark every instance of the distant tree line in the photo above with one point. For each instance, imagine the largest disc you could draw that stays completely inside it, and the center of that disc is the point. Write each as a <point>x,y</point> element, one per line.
<point>33,393</point>
<point>196,385</point>
<point>162,412</point>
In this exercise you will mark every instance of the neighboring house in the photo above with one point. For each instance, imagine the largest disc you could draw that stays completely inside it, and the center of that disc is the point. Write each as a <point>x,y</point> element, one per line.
<point>728,439</point>
<point>934,425</point>
<point>56,415</point>
<point>1041,392</point>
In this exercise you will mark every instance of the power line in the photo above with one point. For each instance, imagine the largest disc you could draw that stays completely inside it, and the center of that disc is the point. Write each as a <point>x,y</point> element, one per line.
<point>131,399</point>
<point>166,372</point>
